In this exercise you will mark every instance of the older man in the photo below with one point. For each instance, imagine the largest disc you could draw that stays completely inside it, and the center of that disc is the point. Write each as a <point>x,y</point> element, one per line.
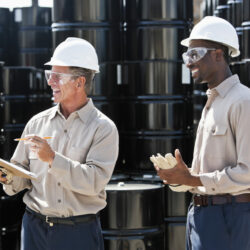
<point>73,166</point>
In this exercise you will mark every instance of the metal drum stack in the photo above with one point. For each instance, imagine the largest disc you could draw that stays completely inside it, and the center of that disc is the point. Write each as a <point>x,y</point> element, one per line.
<point>23,93</point>
<point>157,90</point>
<point>99,22</point>
<point>156,93</point>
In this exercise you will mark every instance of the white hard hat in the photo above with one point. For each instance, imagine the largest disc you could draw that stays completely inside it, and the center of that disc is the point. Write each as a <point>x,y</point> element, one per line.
<point>217,30</point>
<point>75,52</point>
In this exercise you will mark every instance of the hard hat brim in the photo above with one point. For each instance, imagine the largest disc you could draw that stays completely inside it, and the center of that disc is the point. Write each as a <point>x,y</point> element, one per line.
<point>54,62</point>
<point>185,42</point>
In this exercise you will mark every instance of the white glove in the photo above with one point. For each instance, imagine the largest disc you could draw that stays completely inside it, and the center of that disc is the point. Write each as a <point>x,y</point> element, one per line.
<point>167,162</point>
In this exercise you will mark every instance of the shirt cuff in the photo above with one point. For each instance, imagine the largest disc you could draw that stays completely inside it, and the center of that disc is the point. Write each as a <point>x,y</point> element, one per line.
<point>207,179</point>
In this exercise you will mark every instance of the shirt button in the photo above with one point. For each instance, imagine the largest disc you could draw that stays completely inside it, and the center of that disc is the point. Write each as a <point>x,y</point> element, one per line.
<point>59,184</point>
<point>213,189</point>
<point>59,201</point>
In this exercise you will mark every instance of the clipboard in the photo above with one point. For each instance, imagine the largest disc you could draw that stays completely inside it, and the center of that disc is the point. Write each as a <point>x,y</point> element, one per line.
<point>16,170</point>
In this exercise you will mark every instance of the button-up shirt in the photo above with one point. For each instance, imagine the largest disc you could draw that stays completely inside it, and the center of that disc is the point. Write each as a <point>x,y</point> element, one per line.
<point>221,153</point>
<point>86,149</point>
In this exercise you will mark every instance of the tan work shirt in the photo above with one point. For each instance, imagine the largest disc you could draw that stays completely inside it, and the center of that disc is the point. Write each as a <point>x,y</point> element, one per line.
<point>222,147</point>
<point>86,149</point>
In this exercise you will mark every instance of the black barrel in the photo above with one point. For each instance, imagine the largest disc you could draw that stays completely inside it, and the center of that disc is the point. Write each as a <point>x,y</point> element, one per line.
<point>239,31</point>
<point>230,13</point>
<point>18,81</point>
<point>34,35</point>
<point>158,114</point>
<point>155,40</point>
<point>177,204</point>
<point>220,2</point>
<point>234,14</point>
<point>209,8</point>
<point>105,38</point>
<point>19,109</point>
<point>96,11</point>
<point>221,11</point>
<point>175,231</point>
<point>136,148</point>
<point>8,133</point>
<point>129,219</point>
<point>238,13</point>
<point>246,72</point>
<point>155,77</point>
<point>245,40</point>
<point>11,212</point>
<point>153,10</point>
<point>246,10</point>
<point>5,34</point>
<point>108,82</point>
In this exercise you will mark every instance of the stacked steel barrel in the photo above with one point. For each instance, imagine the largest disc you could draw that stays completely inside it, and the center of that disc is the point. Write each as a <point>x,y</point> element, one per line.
<point>25,46</point>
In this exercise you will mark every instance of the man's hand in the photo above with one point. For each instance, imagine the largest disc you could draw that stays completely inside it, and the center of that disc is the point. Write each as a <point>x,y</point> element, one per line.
<point>5,176</point>
<point>178,174</point>
<point>41,147</point>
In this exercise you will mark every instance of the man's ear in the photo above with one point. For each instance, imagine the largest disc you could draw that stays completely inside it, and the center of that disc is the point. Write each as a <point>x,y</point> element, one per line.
<point>81,81</point>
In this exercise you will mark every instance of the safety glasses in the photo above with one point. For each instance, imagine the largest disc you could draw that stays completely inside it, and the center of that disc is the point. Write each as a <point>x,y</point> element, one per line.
<point>195,54</point>
<point>56,77</point>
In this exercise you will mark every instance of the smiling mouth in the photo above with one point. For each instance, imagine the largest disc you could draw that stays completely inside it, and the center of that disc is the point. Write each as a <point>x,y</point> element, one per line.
<point>194,72</point>
<point>56,91</point>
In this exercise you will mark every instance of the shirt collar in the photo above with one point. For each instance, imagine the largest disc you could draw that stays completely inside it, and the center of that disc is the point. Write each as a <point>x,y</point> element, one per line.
<point>54,111</point>
<point>83,112</point>
<point>224,87</point>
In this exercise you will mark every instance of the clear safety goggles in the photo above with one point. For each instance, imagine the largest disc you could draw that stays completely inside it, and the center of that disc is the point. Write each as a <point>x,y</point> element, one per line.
<point>57,77</point>
<point>193,55</point>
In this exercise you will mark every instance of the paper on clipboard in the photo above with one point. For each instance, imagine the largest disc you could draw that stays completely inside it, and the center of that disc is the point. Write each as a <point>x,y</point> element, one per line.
<point>16,170</point>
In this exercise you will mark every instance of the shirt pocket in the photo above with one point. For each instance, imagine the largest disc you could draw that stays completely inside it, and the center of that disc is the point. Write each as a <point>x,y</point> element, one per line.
<point>78,154</point>
<point>216,141</point>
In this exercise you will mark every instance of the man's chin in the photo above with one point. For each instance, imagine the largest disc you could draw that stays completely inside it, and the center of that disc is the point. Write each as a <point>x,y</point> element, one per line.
<point>199,81</point>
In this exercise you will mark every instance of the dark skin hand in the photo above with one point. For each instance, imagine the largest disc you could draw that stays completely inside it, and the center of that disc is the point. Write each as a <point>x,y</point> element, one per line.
<point>178,174</point>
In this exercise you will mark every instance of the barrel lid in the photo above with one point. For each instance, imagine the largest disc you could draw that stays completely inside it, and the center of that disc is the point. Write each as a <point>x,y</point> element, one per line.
<point>222,7</point>
<point>124,186</point>
<point>247,23</point>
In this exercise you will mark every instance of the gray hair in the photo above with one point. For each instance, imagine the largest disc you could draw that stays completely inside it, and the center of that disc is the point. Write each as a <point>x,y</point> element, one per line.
<point>87,73</point>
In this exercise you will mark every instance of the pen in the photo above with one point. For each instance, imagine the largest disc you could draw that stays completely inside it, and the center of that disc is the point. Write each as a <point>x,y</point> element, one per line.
<point>24,139</point>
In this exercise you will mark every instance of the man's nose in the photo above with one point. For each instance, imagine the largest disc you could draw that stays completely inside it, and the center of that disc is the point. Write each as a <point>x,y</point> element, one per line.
<point>51,81</point>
